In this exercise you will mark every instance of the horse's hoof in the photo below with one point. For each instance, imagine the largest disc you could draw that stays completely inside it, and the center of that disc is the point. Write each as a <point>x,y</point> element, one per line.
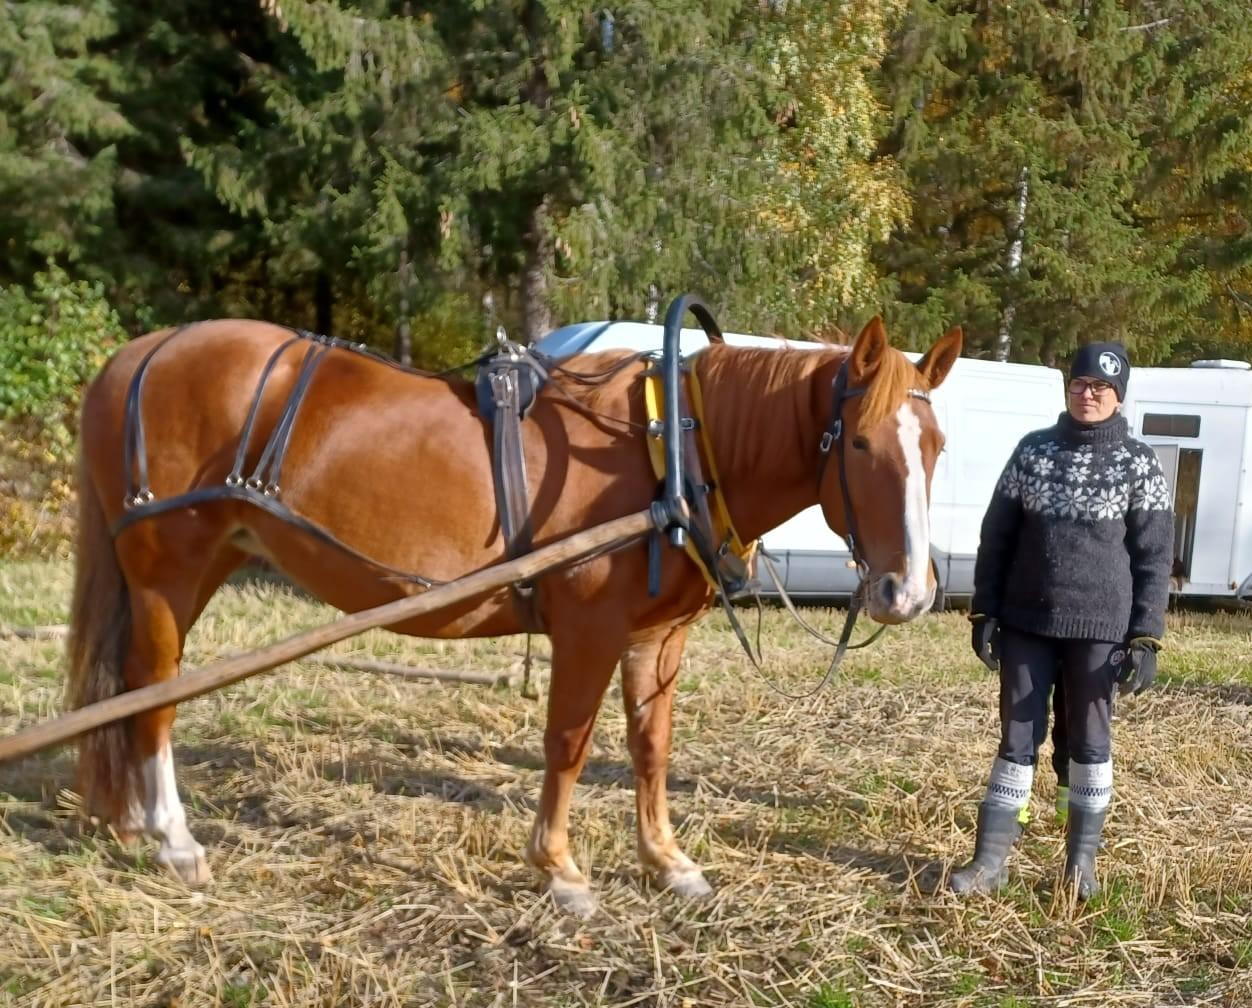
<point>575,899</point>
<point>689,884</point>
<point>190,866</point>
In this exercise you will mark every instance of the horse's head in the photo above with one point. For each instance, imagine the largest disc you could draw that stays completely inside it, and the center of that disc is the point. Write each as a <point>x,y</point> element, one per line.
<point>879,454</point>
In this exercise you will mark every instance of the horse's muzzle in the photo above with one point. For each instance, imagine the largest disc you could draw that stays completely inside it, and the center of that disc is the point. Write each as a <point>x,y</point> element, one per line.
<point>891,599</point>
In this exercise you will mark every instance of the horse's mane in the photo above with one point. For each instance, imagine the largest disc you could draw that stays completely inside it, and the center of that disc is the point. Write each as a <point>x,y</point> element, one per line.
<point>889,386</point>
<point>769,372</point>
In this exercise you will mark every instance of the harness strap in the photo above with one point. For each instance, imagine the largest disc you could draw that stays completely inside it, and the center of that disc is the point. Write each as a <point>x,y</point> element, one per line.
<point>720,551</point>
<point>274,506</point>
<point>833,439</point>
<point>141,504</point>
<point>135,455</point>
<point>508,473</point>
<point>275,452</point>
<point>241,455</point>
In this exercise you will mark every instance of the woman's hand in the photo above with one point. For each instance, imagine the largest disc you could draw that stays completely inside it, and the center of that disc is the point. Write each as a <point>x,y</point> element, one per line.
<point>985,639</point>
<point>1138,670</point>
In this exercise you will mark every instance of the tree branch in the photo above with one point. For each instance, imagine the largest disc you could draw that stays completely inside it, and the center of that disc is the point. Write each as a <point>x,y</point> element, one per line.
<point>1148,26</point>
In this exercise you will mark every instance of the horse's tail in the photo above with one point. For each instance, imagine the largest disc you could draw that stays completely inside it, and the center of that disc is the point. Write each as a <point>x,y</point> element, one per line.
<point>100,627</point>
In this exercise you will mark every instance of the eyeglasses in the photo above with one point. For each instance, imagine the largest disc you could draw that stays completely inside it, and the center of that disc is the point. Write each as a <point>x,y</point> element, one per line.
<point>1098,389</point>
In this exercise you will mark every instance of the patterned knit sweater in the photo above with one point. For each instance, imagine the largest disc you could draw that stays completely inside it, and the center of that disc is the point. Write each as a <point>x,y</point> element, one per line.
<point>1078,538</point>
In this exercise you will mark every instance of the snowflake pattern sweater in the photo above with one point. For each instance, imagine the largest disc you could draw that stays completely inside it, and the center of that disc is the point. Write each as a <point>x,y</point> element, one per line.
<point>1078,538</point>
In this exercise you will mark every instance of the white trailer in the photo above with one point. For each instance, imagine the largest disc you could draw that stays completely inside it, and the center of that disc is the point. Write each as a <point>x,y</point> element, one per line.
<point>1199,420</point>
<point>983,407</point>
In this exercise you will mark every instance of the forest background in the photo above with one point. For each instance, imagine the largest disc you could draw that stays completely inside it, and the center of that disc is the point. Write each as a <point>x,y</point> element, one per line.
<point>412,175</point>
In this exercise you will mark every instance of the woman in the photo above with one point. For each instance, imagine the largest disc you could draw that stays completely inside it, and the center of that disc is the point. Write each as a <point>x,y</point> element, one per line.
<point>1071,580</point>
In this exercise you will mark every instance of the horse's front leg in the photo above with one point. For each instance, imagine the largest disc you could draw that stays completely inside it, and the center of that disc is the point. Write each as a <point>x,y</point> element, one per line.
<point>583,659</point>
<point>649,680</point>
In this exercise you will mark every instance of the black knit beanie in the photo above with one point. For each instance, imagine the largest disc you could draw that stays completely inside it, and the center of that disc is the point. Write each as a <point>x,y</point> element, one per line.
<point>1105,362</point>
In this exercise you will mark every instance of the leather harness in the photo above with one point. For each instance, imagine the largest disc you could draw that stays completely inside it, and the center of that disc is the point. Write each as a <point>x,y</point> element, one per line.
<point>688,509</point>
<point>506,386</point>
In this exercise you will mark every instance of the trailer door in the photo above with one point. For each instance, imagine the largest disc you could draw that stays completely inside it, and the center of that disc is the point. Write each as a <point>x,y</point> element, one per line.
<point>1204,525</point>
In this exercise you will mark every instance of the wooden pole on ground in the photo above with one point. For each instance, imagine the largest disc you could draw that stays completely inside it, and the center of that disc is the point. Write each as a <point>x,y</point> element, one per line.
<point>224,673</point>
<point>413,672</point>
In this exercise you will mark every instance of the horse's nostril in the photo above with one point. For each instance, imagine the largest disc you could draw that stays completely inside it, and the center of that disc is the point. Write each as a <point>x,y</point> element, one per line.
<point>889,589</point>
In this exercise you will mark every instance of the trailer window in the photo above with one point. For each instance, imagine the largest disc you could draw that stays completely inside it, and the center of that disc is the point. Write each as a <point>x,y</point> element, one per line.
<point>1171,424</point>
<point>1186,509</point>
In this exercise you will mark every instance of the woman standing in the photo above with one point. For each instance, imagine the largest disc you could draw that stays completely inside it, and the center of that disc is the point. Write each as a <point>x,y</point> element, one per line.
<point>1071,580</point>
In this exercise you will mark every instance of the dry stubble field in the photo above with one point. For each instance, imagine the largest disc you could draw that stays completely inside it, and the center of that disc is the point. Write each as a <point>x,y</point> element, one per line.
<point>365,835</point>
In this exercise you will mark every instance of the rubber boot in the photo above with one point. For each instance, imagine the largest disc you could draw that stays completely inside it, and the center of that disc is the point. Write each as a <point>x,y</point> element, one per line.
<point>998,830</point>
<point>1081,843</point>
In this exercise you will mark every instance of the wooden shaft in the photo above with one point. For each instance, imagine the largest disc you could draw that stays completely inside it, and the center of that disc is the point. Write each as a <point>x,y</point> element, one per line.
<point>412,671</point>
<point>232,670</point>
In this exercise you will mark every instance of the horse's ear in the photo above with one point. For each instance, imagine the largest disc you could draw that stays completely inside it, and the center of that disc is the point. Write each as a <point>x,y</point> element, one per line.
<point>868,350</point>
<point>939,359</point>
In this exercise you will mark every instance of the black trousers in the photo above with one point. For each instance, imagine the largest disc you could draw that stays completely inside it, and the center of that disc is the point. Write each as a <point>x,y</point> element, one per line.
<point>1030,667</point>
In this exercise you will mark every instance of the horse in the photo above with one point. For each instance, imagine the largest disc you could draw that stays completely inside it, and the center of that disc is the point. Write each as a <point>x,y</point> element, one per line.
<point>395,464</point>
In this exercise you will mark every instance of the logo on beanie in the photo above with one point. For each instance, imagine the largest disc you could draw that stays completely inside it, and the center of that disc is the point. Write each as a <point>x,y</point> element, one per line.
<point>1109,364</point>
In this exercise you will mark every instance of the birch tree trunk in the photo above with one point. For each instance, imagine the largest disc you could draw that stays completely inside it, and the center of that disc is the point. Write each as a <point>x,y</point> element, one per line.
<point>404,335</point>
<point>1013,262</point>
<point>536,311</point>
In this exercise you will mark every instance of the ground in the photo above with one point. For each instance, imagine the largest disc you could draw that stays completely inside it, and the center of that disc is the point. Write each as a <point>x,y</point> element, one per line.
<point>365,833</point>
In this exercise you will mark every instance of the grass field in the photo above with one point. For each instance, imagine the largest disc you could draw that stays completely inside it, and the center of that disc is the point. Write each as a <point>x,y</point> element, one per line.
<point>365,834</point>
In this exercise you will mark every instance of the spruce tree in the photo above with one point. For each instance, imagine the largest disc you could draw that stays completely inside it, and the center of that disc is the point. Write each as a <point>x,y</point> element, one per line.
<point>1030,136</point>
<point>58,160</point>
<point>1198,194</point>
<point>568,162</point>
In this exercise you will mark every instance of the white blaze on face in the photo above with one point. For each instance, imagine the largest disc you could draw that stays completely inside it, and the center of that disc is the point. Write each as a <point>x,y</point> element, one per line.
<point>916,507</point>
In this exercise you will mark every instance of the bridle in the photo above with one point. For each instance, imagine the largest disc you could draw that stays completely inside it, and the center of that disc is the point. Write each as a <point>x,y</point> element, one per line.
<point>833,440</point>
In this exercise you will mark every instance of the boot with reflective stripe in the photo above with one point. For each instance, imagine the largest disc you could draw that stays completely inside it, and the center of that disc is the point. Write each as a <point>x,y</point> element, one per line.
<point>1081,843</point>
<point>998,830</point>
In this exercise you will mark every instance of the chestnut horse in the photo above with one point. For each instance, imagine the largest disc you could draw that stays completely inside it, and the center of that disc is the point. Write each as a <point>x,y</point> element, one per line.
<point>395,464</point>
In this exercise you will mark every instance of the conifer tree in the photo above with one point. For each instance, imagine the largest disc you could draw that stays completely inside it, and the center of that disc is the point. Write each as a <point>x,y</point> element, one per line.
<point>572,163</point>
<point>57,156</point>
<point>1030,133</point>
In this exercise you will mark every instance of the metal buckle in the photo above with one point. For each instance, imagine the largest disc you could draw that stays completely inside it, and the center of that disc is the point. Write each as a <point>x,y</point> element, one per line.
<point>827,440</point>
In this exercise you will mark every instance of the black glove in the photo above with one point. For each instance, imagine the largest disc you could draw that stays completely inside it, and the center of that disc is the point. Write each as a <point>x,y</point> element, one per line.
<point>1138,668</point>
<point>985,640</point>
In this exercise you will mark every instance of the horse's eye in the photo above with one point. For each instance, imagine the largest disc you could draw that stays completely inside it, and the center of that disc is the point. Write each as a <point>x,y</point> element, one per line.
<point>861,442</point>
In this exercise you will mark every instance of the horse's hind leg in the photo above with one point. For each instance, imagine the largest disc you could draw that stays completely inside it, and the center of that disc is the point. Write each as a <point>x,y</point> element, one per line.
<point>582,665</point>
<point>162,612</point>
<point>649,679</point>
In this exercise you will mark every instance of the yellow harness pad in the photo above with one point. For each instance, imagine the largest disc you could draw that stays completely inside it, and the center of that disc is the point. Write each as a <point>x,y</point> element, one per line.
<point>723,531</point>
